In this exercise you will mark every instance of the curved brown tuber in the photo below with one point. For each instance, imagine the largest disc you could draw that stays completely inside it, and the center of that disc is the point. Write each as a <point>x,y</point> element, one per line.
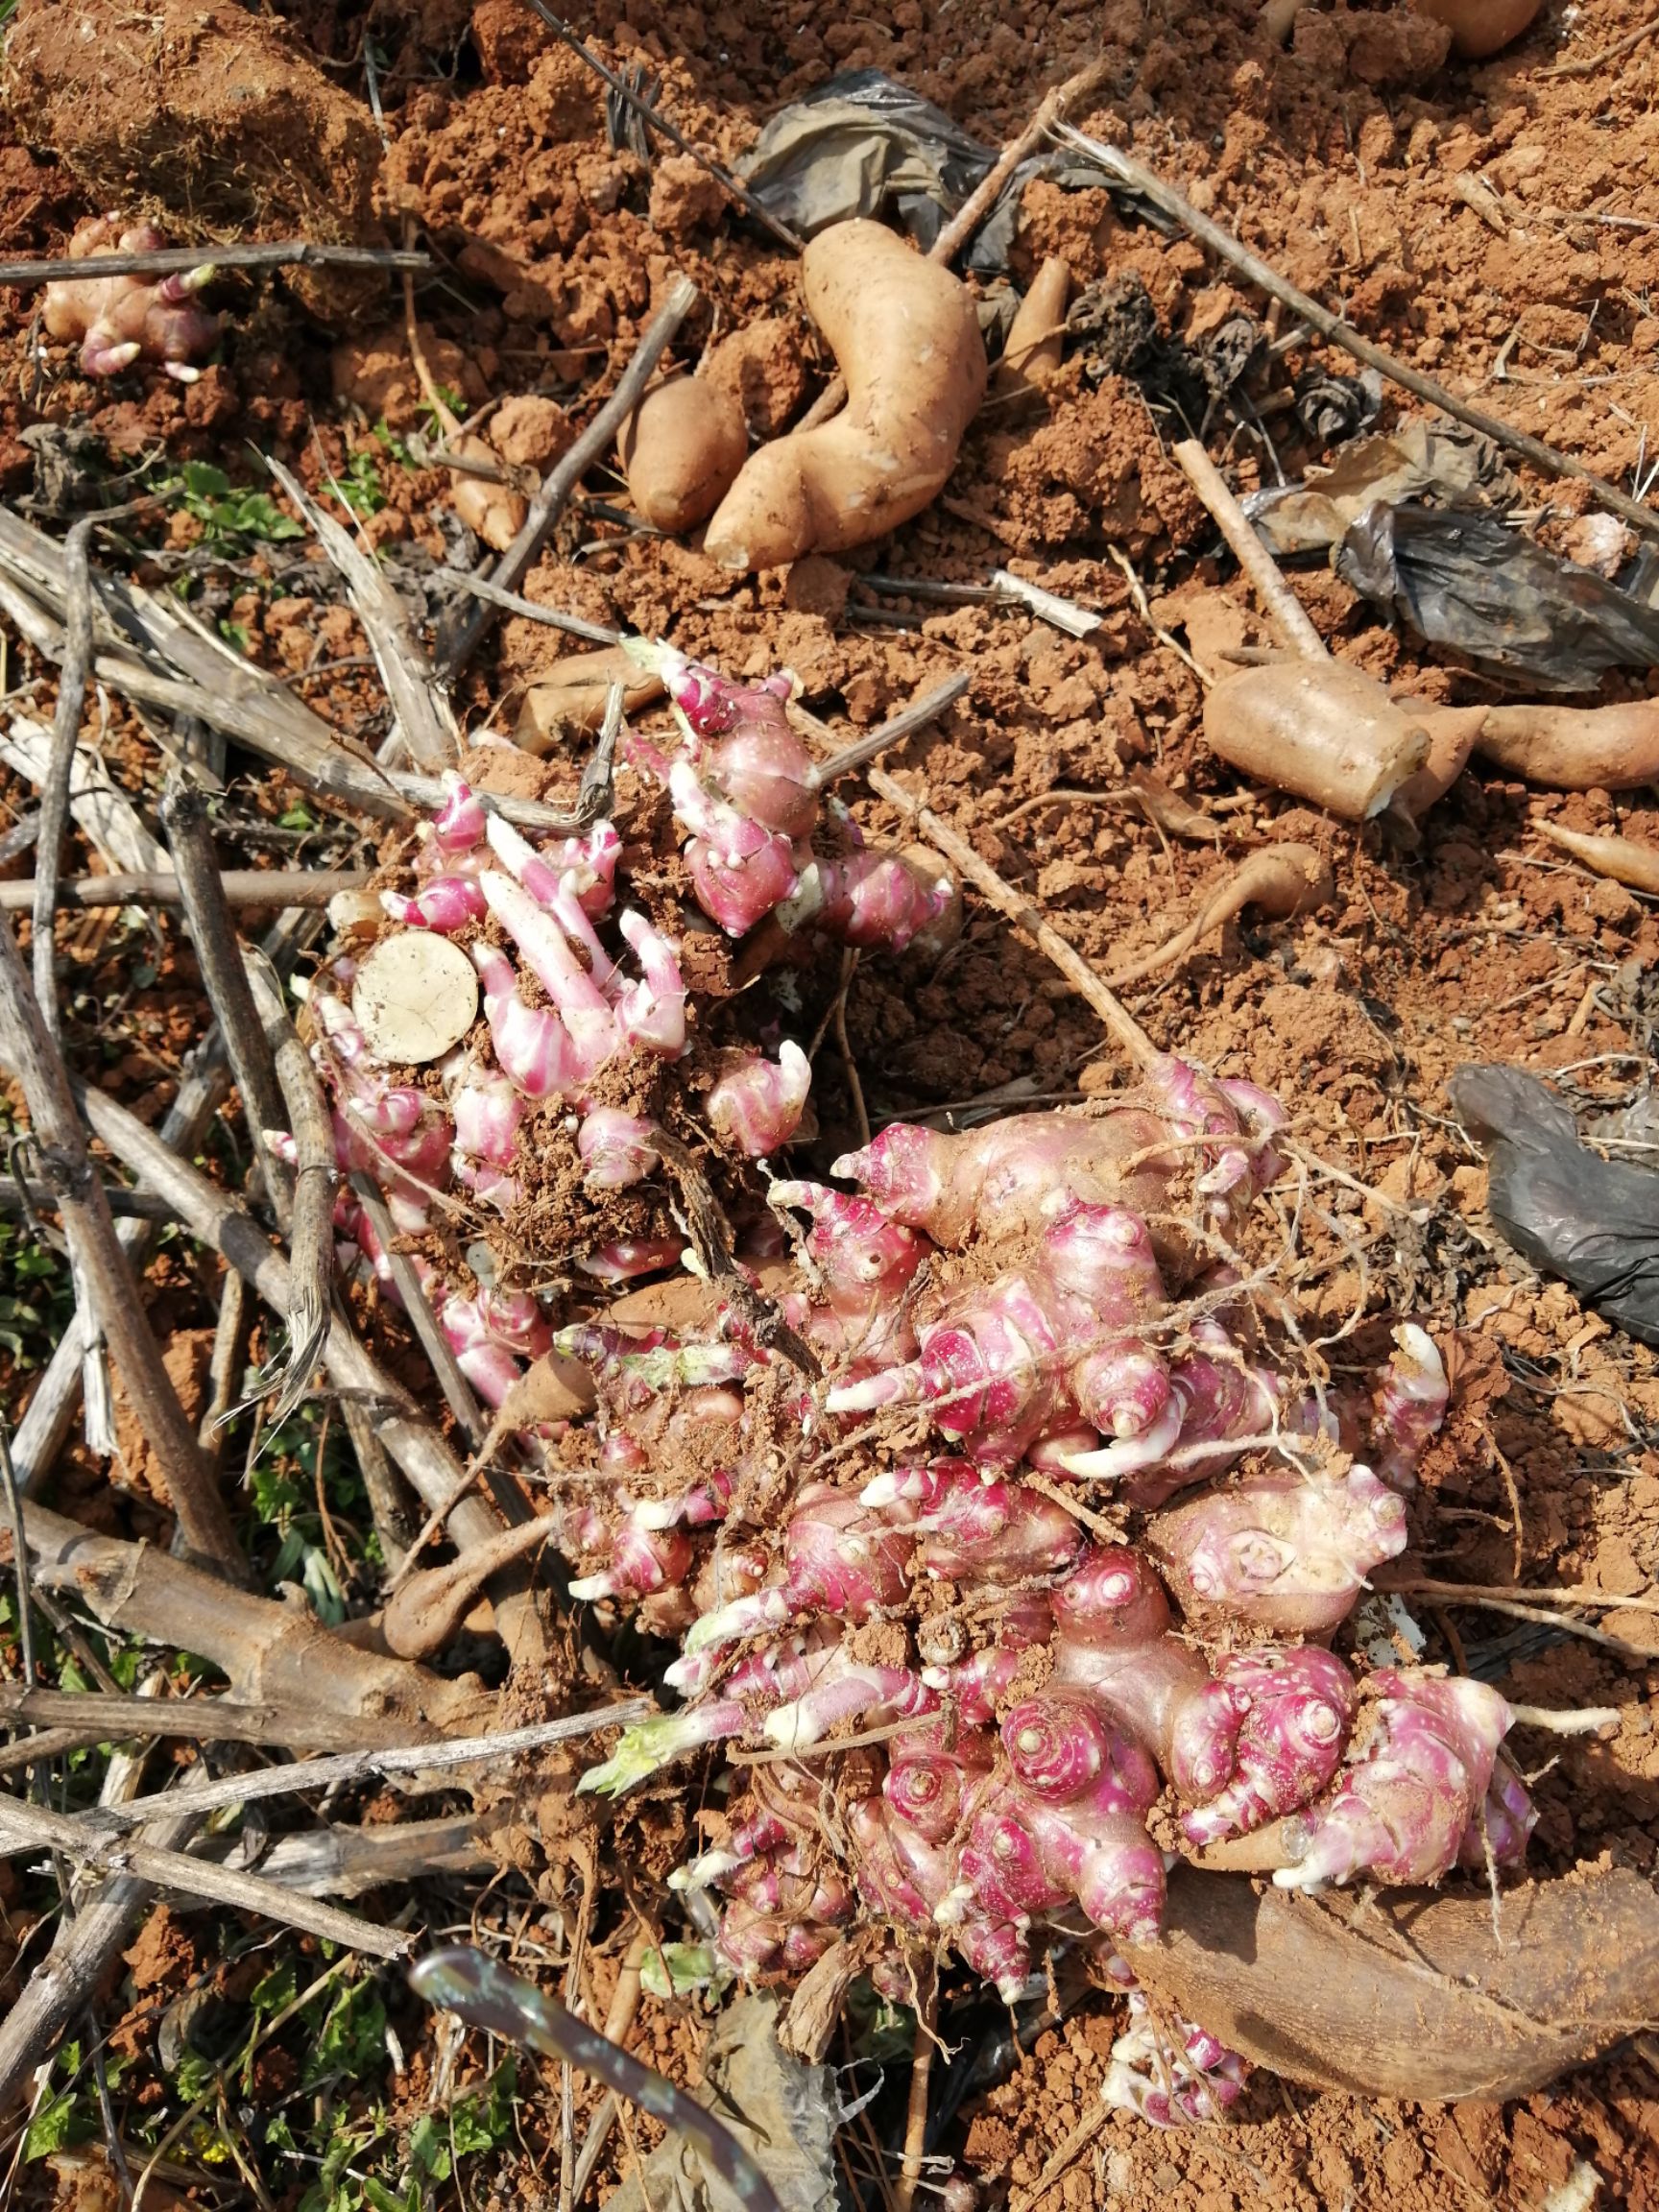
<point>1320,729</point>
<point>1453,732</point>
<point>1408,1994</point>
<point>1480,27</point>
<point>1281,881</point>
<point>907,338</point>
<point>571,697</point>
<point>681,451</point>
<point>1575,748</point>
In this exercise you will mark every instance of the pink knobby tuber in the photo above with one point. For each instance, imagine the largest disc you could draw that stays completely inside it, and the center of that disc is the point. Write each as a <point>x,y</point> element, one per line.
<point>854,1481</point>
<point>120,321</point>
<point>1418,1781</point>
<point>1279,1551</point>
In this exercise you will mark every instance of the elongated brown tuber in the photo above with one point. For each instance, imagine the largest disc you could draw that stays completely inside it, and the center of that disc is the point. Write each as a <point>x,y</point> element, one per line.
<point>1037,335</point>
<point>1408,1994</point>
<point>681,451</point>
<point>1619,857</point>
<point>571,697</point>
<point>1575,748</point>
<point>1320,729</point>
<point>906,335</point>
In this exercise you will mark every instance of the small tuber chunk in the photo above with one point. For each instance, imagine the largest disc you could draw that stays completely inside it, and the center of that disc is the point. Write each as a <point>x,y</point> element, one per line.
<point>906,338</point>
<point>681,451</point>
<point>1037,335</point>
<point>1320,729</point>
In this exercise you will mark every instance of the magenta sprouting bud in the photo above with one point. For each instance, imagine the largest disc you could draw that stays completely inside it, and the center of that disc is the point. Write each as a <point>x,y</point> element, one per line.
<point>876,901</point>
<point>976,1530</point>
<point>1282,1551</point>
<point>1409,1405</point>
<point>757,1107</point>
<point>839,1558</point>
<point>930,1790</point>
<point>1400,1810</point>
<point>864,1261</point>
<point>1175,2076</point>
<point>1060,1747</point>
<point>846,1691</point>
<point>616,1148</point>
<point>459,825</point>
<point>741,739</point>
<point>122,320</point>
<point>698,1507</point>
<point>741,872</point>
<point>1263,1738</point>
<point>626,1258</point>
<point>642,1560</point>
<point>444,903</point>
<point>1498,1833</point>
<point>486,1111</point>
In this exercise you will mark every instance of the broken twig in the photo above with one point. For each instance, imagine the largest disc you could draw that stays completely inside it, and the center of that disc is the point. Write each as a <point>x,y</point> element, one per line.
<point>1287,613</point>
<point>563,479</point>
<point>1120,1022</point>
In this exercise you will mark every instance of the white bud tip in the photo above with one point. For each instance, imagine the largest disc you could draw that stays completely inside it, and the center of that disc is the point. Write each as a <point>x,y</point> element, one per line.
<point>590,1588</point>
<point>883,1491</point>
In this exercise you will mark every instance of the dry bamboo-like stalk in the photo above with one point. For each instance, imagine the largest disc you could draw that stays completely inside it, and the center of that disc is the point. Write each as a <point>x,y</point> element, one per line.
<point>418,1308</point>
<point>311,1217</point>
<point>62,1987</point>
<point>242,888</point>
<point>423,711</point>
<point>28,1827</point>
<point>1287,613</point>
<point>417,1447</point>
<point>563,479</point>
<point>102,1717</point>
<point>55,791</point>
<point>229,993</point>
<point>422,1759</point>
<point>106,1271</point>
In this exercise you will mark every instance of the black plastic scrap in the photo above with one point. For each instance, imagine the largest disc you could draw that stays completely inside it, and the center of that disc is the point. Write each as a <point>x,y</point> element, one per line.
<point>1469,581</point>
<point>1594,1222</point>
<point>863,144</point>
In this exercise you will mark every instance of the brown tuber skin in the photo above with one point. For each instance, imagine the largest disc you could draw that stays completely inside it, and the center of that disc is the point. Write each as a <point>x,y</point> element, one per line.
<point>1410,1994</point>
<point>1619,857</point>
<point>1480,27</point>
<point>907,340</point>
<point>1575,748</point>
<point>1320,729</point>
<point>569,698</point>
<point>681,451</point>
<point>1037,335</point>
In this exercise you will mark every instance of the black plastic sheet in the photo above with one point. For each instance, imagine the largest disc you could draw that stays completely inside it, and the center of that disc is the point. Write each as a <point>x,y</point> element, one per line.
<point>1594,1222</point>
<point>1466,580</point>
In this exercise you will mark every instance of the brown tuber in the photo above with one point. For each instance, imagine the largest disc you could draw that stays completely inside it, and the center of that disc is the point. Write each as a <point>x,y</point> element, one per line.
<point>1408,1994</point>
<point>1281,881</point>
<point>907,340</point>
<point>1320,729</point>
<point>1037,335</point>
<point>569,698</point>
<point>1621,858</point>
<point>1480,27</point>
<point>681,451</point>
<point>1575,748</point>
